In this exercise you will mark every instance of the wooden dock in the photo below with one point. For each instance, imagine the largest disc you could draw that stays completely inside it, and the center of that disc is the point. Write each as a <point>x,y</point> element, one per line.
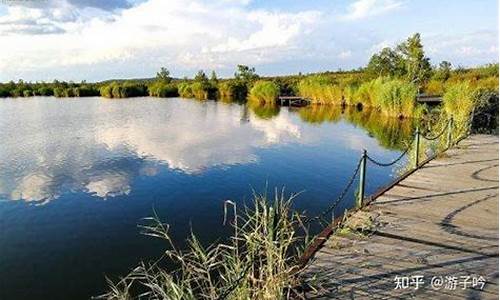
<point>440,223</point>
<point>293,101</point>
<point>429,99</point>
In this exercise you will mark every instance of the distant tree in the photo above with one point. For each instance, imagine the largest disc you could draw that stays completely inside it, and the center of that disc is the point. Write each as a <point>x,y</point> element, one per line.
<point>417,65</point>
<point>407,61</point>
<point>201,77</point>
<point>387,62</point>
<point>213,79</point>
<point>443,72</point>
<point>245,74</point>
<point>164,75</point>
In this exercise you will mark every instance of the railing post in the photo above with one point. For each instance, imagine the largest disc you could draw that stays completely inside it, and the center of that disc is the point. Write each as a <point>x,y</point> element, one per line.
<point>362,175</point>
<point>450,131</point>
<point>417,146</point>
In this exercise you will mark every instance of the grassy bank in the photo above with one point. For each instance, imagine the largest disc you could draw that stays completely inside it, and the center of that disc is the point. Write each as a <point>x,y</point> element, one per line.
<point>389,83</point>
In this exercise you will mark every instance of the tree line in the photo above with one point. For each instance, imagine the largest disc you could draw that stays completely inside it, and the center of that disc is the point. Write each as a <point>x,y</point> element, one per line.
<point>390,82</point>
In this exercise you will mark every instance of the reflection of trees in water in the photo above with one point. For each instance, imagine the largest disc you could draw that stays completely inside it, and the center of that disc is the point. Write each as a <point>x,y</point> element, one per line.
<point>391,133</point>
<point>264,111</point>
<point>318,114</point>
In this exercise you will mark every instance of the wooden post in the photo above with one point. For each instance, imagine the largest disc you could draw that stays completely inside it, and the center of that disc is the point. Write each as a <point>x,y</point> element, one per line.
<point>417,146</point>
<point>450,133</point>
<point>362,176</point>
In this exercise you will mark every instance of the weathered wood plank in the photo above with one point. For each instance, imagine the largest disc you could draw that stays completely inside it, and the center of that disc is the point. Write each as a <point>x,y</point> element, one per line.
<point>442,220</point>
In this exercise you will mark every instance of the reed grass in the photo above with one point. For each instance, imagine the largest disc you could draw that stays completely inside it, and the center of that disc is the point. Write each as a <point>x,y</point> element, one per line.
<point>184,90</point>
<point>163,89</point>
<point>199,91</point>
<point>459,101</point>
<point>257,262</point>
<point>397,98</point>
<point>320,90</point>
<point>264,92</point>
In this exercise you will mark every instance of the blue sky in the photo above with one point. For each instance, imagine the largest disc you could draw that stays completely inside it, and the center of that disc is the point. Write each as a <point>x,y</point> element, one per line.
<point>96,40</point>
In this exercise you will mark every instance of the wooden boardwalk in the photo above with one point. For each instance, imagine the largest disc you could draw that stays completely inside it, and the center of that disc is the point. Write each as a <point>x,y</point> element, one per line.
<point>440,221</point>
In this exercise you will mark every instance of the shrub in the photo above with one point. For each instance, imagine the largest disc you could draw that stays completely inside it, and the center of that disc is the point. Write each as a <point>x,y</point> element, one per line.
<point>163,89</point>
<point>434,87</point>
<point>45,91</point>
<point>123,90</point>
<point>233,90</point>
<point>264,92</point>
<point>199,91</point>
<point>185,91</point>
<point>106,91</point>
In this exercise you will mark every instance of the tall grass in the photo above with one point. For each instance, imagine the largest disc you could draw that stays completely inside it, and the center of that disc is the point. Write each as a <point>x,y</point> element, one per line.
<point>264,92</point>
<point>397,98</point>
<point>123,90</point>
<point>184,89</point>
<point>459,101</point>
<point>257,262</point>
<point>366,94</point>
<point>320,90</point>
<point>199,91</point>
<point>232,90</point>
<point>162,89</point>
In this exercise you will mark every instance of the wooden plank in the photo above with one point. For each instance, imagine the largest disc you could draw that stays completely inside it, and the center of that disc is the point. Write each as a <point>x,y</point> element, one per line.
<point>441,220</point>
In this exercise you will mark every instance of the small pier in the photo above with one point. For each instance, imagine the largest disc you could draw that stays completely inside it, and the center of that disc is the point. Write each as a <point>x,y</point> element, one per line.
<point>433,235</point>
<point>429,99</point>
<point>293,101</point>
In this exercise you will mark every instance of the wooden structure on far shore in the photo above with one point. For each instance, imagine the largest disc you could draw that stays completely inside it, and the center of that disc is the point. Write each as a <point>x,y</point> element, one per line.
<point>429,99</point>
<point>293,101</point>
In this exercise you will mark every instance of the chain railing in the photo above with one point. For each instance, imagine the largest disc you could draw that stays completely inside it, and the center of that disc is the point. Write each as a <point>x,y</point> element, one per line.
<point>361,166</point>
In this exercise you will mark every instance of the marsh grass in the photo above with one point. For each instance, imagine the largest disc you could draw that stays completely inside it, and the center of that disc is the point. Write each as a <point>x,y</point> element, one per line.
<point>320,90</point>
<point>396,98</point>
<point>259,260</point>
<point>264,92</point>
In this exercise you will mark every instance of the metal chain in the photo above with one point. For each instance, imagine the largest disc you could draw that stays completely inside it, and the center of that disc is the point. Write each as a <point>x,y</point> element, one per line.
<point>394,161</point>
<point>435,137</point>
<point>340,197</point>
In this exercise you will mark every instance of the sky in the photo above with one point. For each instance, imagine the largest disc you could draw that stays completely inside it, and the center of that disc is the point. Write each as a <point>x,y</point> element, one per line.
<point>97,40</point>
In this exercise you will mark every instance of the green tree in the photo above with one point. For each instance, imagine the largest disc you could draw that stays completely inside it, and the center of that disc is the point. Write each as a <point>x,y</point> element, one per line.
<point>214,81</point>
<point>417,65</point>
<point>201,77</point>
<point>386,63</point>
<point>246,74</point>
<point>443,72</point>
<point>164,75</point>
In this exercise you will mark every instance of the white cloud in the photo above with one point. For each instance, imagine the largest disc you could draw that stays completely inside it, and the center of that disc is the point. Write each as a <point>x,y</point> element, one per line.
<point>361,9</point>
<point>174,33</point>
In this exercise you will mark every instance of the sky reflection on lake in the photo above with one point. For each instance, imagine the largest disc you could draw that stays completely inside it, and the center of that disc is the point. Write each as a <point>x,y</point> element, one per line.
<point>78,175</point>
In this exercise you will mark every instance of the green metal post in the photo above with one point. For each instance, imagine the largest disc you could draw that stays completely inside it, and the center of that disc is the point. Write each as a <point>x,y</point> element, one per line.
<point>450,131</point>
<point>362,175</point>
<point>417,146</point>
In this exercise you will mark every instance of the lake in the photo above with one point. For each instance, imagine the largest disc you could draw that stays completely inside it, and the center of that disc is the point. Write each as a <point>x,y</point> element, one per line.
<point>77,175</point>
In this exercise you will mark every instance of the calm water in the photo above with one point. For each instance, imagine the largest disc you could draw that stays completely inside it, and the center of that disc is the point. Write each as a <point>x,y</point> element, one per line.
<point>77,176</point>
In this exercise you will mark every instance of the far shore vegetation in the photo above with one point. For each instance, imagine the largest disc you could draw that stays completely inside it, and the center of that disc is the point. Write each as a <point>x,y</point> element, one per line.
<point>260,258</point>
<point>390,84</point>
